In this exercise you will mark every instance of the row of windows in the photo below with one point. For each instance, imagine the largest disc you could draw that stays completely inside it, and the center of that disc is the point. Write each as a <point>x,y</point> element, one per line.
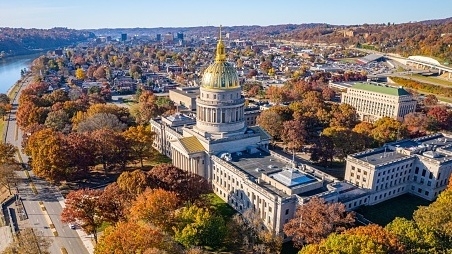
<point>383,195</point>
<point>207,95</point>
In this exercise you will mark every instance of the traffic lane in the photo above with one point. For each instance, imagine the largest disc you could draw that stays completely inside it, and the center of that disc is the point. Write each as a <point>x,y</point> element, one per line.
<point>66,235</point>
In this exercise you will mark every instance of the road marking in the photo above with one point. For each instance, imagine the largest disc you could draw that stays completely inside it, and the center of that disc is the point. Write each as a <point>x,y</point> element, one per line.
<point>70,242</point>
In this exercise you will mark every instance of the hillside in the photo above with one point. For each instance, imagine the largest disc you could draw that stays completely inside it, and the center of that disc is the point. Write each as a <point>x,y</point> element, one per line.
<point>20,41</point>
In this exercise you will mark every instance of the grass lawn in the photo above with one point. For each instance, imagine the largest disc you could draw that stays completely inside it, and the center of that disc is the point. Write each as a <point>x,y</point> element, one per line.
<point>385,212</point>
<point>222,207</point>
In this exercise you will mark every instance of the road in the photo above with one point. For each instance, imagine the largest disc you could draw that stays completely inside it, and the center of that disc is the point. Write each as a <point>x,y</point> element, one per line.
<point>47,194</point>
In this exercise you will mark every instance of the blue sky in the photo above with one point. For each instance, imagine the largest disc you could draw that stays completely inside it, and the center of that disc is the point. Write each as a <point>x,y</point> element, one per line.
<point>81,14</point>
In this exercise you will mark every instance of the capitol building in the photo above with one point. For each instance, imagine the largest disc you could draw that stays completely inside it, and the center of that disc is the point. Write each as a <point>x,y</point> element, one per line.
<point>216,143</point>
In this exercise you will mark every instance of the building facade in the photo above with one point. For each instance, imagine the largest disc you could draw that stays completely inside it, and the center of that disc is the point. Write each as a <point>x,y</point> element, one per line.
<point>219,143</point>
<point>419,166</point>
<point>373,101</point>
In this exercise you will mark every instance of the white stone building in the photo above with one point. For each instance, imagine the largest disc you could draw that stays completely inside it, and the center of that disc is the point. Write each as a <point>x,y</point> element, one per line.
<point>374,101</point>
<point>419,166</point>
<point>235,158</point>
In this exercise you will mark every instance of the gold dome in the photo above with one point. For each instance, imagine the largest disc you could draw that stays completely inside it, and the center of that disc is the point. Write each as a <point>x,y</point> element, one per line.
<point>220,74</point>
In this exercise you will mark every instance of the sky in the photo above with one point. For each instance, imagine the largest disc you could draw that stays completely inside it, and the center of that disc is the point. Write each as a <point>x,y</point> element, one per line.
<point>91,14</point>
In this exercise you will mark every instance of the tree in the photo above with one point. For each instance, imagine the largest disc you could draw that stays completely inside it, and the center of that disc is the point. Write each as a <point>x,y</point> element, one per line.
<point>8,176</point>
<point>188,187</point>
<point>430,100</point>
<point>272,120</point>
<point>140,139</point>
<point>82,207</point>
<point>101,121</point>
<point>323,150</point>
<point>131,237</point>
<point>390,243</point>
<point>57,120</point>
<point>111,148</point>
<point>49,154</point>
<point>294,134</point>
<point>416,124</point>
<point>344,243</point>
<point>415,239</point>
<point>343,115</point>
<point>441,117</point>
<point>344,141</point>
<point>7,153</point>
<point>247,231</point>
<point>114,203</point>
<point>437,216</point>
<point>147,107</point>
<point>29,242</point>
<point>198,227</point>
<point>80,74</point>
<point>388,129</point>
<point>133,183</point>
<point>316,219</point>
<point>156,207</point>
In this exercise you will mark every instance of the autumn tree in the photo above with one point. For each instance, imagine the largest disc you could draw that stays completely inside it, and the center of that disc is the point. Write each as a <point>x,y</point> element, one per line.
<point>133,237</point>
<point>8,176</point>
<point>132,183</point>
<point>416,124</point>
<point>247,232</point>
<point>390,243</point>
<point>272,120</point>
<point>388,129</point>
<point>197,226</point>
<point>416,239</point>
<point>80,74</point>
<point>441,117</point>
<point>146,107</point>
<point>7,153</point>
<point>294,134</point>
<point>57,120</point>
<point>140,139</point>
<point>29,241</point>
<point>323,150</point>
<point>316,219</point>
<point>344,141</point>
<point>82,207</point>
<point>437,217</point>
<point>188,187</point>
<point>156,207</point>
<point>114,204</point>
<point>101,121</point>
<point>344,243</point>
<point>49,154</point>
<point>110,148</point>
<point>343,115</point>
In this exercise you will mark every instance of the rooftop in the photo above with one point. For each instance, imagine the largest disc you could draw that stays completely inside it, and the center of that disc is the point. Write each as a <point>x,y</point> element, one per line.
<point>191,144</point>
<point>383,89</point>
<point>380,156</point>
<point>257,163</point>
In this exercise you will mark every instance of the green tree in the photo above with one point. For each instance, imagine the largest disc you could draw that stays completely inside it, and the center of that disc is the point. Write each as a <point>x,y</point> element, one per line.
<point>344,244</point>
<point>199,227</point>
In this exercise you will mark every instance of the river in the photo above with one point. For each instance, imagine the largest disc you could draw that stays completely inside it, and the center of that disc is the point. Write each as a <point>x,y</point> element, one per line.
<point>10,69</point>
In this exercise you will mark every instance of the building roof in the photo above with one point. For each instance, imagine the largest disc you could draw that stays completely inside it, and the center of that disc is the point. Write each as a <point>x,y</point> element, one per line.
<point>191,144</point>
<point>263,134</point>
<point>384,89</point>
<point>370,58</point>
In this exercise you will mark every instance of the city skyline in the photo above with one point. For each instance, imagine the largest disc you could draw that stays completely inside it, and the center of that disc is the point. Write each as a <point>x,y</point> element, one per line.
<point>85,14</point>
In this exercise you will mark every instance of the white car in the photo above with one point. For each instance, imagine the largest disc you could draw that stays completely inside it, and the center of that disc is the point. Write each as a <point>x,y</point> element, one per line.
<point>72,226</point>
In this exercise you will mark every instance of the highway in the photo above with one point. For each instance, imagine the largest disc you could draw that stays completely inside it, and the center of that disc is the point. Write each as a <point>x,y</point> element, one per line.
<point>49,196</point>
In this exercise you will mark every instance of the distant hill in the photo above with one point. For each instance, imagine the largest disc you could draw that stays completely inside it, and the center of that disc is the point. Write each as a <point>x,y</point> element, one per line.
<point>20,41</point>
<point>239,31</point>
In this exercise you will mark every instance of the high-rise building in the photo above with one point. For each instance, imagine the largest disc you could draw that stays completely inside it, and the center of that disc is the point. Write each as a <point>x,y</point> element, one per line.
<point>180,36</point>
<point>374,101</point>
<point>158,37</point>
<point>168,38</point>
<point>123,37</point>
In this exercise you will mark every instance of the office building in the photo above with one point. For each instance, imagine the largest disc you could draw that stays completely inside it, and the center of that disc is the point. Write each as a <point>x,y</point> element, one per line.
<point>373,101</point>
<point>420,166</point>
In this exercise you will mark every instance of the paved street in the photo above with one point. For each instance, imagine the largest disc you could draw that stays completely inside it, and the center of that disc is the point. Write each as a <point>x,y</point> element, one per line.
<point>50,197</point>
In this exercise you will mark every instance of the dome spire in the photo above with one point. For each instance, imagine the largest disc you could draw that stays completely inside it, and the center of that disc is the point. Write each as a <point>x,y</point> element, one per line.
<point>221,55</point>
